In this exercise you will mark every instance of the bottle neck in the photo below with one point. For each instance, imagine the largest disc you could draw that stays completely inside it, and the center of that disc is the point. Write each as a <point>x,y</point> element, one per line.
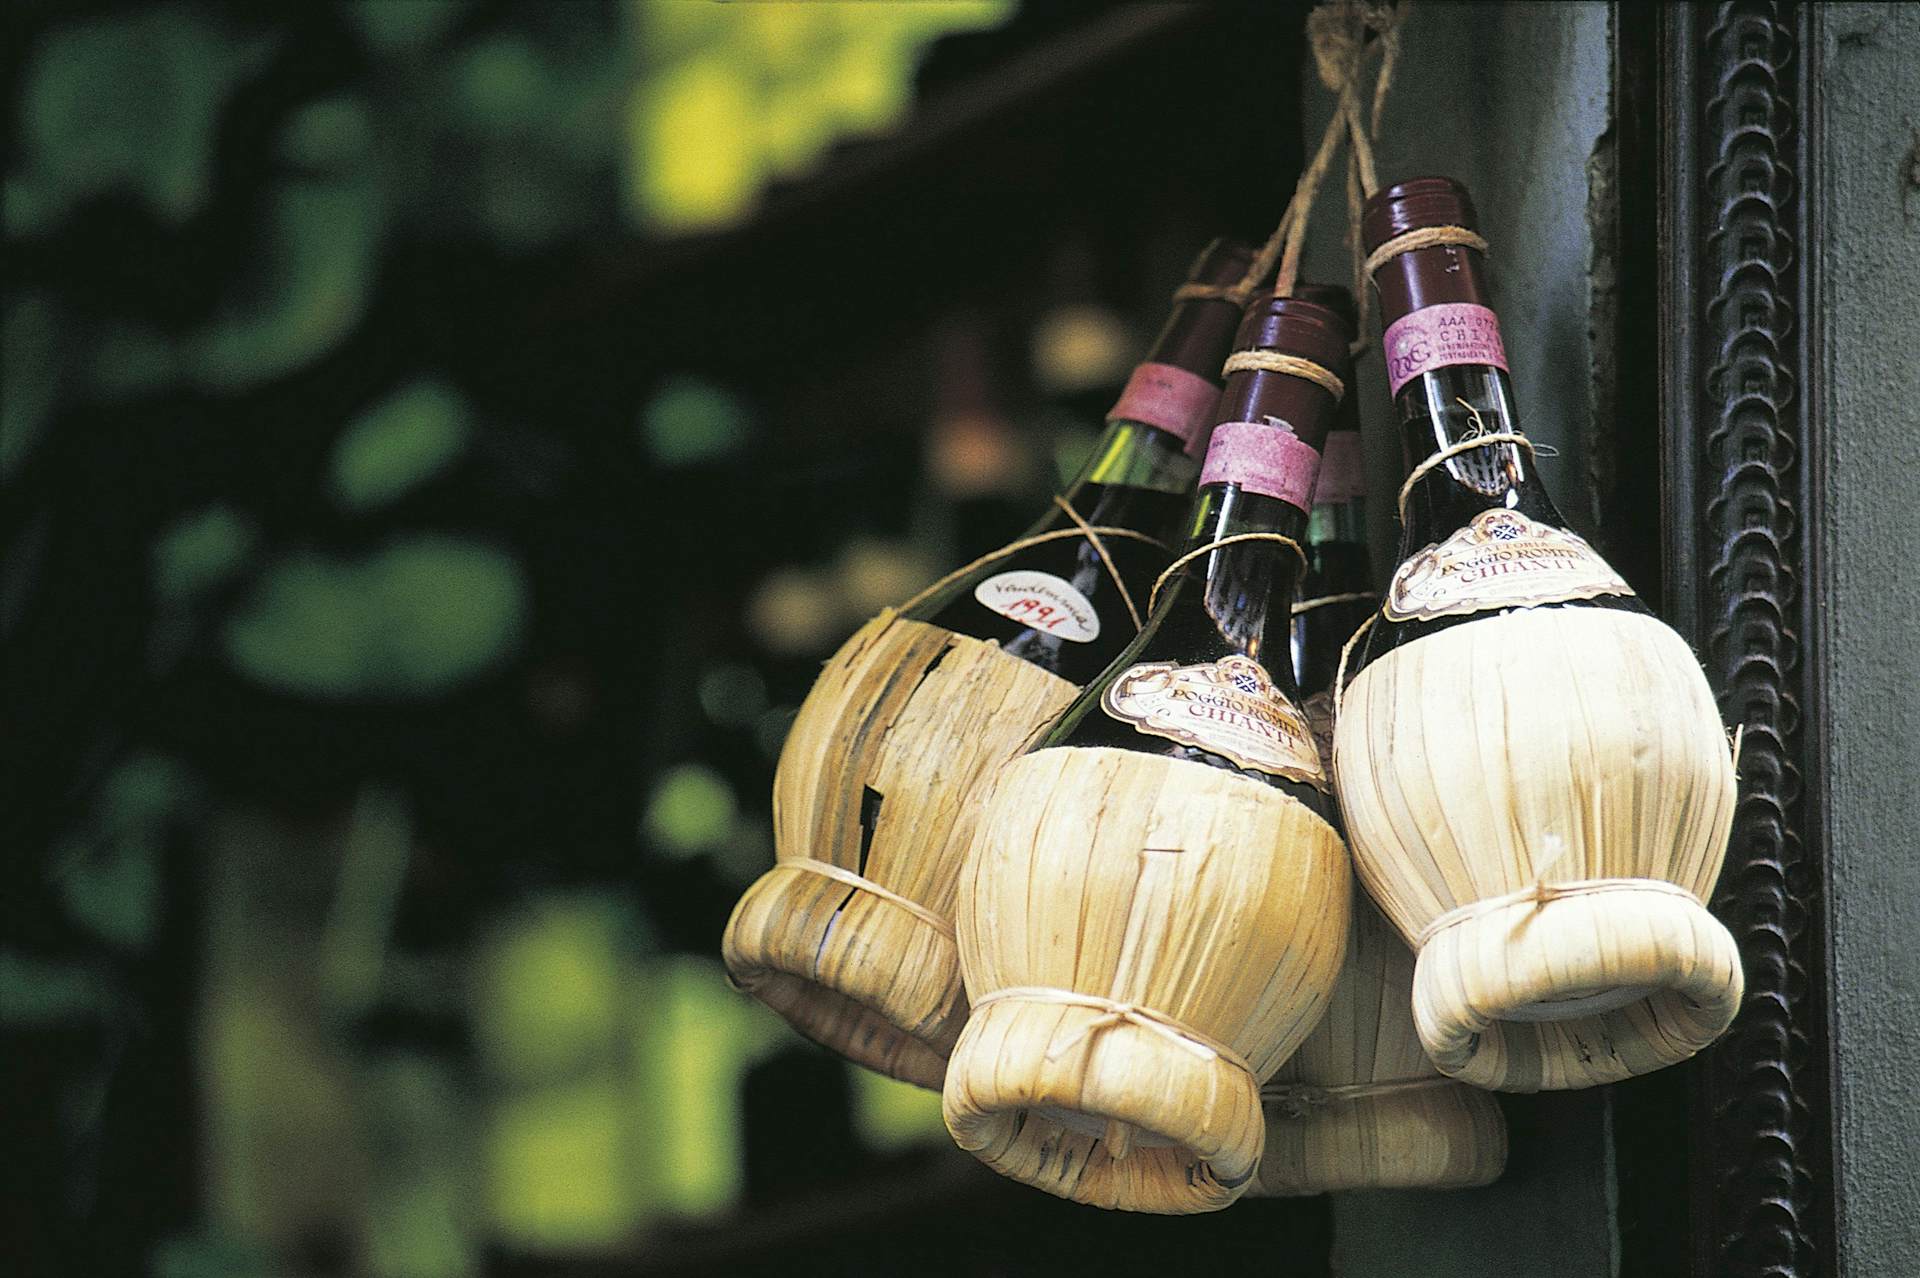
<point>1337,529</point>
<point>1337,523</point>
<point>1456,405</point>
<point>1132,454</point>
<point>1175,388</point>
<point>1242,593</point>
<point>1447,370</point>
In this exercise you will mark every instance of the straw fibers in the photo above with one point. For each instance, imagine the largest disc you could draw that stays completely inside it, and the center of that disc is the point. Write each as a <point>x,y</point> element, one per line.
<point>1144,939</point>
<point>1360,1106</point>
<point>880,777</point>
<point>1539,800</point>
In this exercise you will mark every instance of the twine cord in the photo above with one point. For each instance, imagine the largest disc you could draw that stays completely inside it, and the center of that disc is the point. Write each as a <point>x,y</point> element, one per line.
<point>1292,365</point>
<point>1092,532</point>
<point>1337,32</point>
<point>1363,178</point>
<point>1324,601</point>
<point>1106,560</point>
<point>1422,237</point>
<point>1300,1100</point>
<point>1114,1012</point>
<point>1542,894</point>
<point>1153,598</point>
<point>860,883</point>
<point>1346,650</point>
<point>1453,450</point>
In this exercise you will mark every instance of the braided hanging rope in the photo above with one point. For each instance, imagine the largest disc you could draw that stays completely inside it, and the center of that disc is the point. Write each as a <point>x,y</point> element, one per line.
<point>1337,32</point>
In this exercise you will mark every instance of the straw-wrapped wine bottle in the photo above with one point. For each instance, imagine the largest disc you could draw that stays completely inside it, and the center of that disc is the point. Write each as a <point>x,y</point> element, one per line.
<point>1534,775</point>
<point>1156,901</point>
<point>850,935</point>
<point>1359,1105</point>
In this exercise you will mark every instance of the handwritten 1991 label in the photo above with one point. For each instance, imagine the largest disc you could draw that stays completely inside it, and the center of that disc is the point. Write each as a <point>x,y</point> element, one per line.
<point>1501,559</point>
<point>1441,336</point>
<point>1227,707</point>
<point>1042,601</point>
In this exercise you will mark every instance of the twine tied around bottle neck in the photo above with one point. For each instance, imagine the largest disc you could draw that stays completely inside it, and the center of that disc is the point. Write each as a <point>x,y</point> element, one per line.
<point>1153,597</point>
<point>1421,237</point>
<point>1453,450</point>
<point>1303,1100</point>
<point>1542,894</point>
<point>1292,365</point>
<point>1081,528</point>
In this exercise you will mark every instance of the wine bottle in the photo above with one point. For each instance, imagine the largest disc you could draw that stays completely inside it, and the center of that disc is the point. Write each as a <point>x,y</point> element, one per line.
<point>1480,533</point>
<point>1533,774</point>
<point>1057,604</point>
<point>1157,904</point>
<point>1337,594</point>
<point>1210,678</point>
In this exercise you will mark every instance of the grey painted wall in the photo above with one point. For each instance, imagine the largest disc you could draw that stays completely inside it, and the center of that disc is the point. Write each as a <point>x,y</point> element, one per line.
<point>1512,99</point>
<point>1866,255</point>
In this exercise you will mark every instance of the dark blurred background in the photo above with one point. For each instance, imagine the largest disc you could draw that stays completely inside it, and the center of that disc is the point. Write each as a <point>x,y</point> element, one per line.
<point>441,441</point>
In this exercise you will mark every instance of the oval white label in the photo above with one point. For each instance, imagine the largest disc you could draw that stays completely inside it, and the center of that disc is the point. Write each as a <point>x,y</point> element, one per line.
<point>1228,707</point>
<point>1501,559</point>
<point>1042,601</point>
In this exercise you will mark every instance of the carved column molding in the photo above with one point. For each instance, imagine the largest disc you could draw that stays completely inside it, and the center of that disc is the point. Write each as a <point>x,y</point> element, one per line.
<point>1738,444</point>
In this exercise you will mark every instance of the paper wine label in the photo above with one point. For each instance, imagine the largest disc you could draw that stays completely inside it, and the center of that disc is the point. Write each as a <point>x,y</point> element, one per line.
<point>1227,707</point>
<point>1501,559</point>
<point>1042,601</point>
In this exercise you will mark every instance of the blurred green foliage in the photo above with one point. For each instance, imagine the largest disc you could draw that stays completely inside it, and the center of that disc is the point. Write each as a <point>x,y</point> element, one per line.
<point>328,632</point>
<point>735,97</point>
<point>109,868</point>
<point>691,810</point>
<point>399,443</point>
<point>128,103</point>
<point>689,421</point>
<point>414,619</point>
<point>200,552</point>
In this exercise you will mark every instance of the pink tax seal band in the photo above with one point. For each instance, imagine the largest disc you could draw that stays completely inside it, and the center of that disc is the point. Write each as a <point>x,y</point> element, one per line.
<point>1171,398</point>
<point>1441,336</point>
<point>1269,460</point>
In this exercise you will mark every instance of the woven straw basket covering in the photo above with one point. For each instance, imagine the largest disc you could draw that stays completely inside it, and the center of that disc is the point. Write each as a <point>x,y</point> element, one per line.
<point>1145,939</point>
<point>880,778</point>
<point>1360,1106</point>
<point>1539,800</point>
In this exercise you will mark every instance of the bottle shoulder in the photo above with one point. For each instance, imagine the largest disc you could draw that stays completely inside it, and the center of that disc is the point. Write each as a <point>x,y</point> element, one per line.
<point>1188,688</point>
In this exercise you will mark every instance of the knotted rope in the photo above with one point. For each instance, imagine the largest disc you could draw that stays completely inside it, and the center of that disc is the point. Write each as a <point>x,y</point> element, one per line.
<point>1337,33</point>
<point>1542,894</point>
<point>1453,450</point>
<point>1114,1012</point>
